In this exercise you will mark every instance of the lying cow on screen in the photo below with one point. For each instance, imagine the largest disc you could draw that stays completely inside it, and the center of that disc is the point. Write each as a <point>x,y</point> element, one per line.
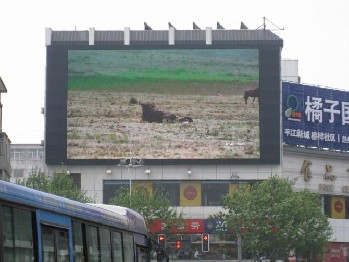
<point>150,114</point>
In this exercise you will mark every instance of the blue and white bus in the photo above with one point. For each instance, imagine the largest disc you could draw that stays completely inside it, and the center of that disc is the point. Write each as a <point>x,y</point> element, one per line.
<point>37,226</point>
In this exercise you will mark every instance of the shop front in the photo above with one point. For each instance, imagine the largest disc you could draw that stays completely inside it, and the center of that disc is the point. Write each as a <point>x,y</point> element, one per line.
<point>186,242</point>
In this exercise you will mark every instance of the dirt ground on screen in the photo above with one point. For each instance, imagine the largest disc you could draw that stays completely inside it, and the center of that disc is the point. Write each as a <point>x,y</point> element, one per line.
<point>104,125</point>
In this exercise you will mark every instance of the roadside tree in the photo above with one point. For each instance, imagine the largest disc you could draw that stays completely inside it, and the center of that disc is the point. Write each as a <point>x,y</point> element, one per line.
<point>153,206</point>
<point>273,220</point>
<point>58,184</point>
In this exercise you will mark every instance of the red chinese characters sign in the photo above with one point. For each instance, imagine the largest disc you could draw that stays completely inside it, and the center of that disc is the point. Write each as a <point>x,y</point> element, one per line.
<point>191,226</point>
<point>338,253</point>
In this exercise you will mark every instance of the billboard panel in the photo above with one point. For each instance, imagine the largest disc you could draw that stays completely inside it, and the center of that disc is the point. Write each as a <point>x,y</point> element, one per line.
<point>315,117</point>
<point>187,104</point>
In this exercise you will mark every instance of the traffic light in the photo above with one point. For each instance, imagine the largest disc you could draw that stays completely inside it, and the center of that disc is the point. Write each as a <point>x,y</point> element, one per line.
<point>162,240</point>
<point>205,242</point>
<point>178,244</point>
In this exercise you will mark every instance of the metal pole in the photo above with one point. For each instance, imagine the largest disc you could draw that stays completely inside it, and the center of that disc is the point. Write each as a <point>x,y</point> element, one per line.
<point>129,175</point>
<point>239,249</point>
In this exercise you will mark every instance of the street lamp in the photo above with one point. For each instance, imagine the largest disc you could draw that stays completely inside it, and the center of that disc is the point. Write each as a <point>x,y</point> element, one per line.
<point>130,163</point>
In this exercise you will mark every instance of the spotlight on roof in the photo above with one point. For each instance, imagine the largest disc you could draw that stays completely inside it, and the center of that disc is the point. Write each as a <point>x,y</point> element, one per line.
<point>243,26</point>
<point>219,26</point>
<point>147,27</point>
<point>195,26</point>
<point>170,25</point>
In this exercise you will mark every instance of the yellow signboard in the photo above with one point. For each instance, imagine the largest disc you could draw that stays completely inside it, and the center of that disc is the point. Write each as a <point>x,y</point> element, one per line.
<point>338,207</point>
<point>190,194</point>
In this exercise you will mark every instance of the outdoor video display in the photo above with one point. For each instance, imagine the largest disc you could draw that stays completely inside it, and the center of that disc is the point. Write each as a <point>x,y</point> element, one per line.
<point>189,103</point>
<point>163,104</point>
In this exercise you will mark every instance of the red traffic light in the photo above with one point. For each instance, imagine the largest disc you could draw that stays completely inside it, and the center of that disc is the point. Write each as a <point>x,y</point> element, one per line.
<point>162,240</point>
<point>178,244</point>
<point>205,242</point>
<point>161,237</point>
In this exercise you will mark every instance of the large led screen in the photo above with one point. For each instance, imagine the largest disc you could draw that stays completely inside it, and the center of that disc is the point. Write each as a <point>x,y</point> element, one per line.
<point>163,104</point>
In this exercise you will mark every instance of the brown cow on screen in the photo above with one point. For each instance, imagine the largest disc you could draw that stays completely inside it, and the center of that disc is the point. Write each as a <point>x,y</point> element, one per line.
<point>150,114</point>
<point>251,93</point>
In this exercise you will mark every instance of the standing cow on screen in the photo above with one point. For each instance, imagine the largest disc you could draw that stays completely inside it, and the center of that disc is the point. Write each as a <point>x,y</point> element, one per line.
<point>251,93</point>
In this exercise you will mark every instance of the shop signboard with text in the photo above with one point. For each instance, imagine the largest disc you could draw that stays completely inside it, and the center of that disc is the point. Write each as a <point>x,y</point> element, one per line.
<point>313,116</point>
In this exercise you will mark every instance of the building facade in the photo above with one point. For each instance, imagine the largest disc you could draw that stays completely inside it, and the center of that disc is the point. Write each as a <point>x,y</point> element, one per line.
<point>26,159</point>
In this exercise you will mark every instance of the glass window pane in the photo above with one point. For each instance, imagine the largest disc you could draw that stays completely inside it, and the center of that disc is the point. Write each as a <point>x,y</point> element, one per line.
<point>18,172</point>
<point>23,235</point>
<point>62,246</point>
<point>92,237</point>
<point>128,247</point>
<point>111,189</point>
<point>142,254</point>
<point>104,236</point>
<point>171,189</point>
<point>78,244</point>
<point>8,234</point>
<point>213,193</point>
<point>327,205</point>
<point>48,245</point>
<point>117,247</point>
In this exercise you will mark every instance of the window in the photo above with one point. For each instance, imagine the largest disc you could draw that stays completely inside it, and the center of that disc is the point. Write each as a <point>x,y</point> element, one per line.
<point>213,193</point>
<point>17,234</point>
<point>48,246</point>
<point>129,253</point>
<point>19,154</point>
<point>76,177</point>
<point>18,172</point>
<point>104,236</point>
<point>62,240</point>
<point>55,244</point>
<point>171,189</point>
<point>93,250</point>
<point>117,247</point>
<point>41,154</point>
<point>99,244</point>
<point>32,154</point>
<point>111,188</point>
<point>78,242</point>
<point>142,254</point>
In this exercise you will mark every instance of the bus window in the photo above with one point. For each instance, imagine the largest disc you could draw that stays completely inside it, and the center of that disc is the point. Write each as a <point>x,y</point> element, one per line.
<point>93,250</point>
<point>117,247</point>
<point>62,246</point>
<point>104,236</point>
<point>17,234</point>
<point>128,246</point>
<point>55,244</point>
<point>48,244</point>
<point>142,254</point>
<point>78,243</point>
<point>8,235</point>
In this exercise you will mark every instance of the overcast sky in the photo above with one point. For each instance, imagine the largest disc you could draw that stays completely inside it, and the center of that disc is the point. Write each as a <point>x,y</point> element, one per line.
<point>316,33</point>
